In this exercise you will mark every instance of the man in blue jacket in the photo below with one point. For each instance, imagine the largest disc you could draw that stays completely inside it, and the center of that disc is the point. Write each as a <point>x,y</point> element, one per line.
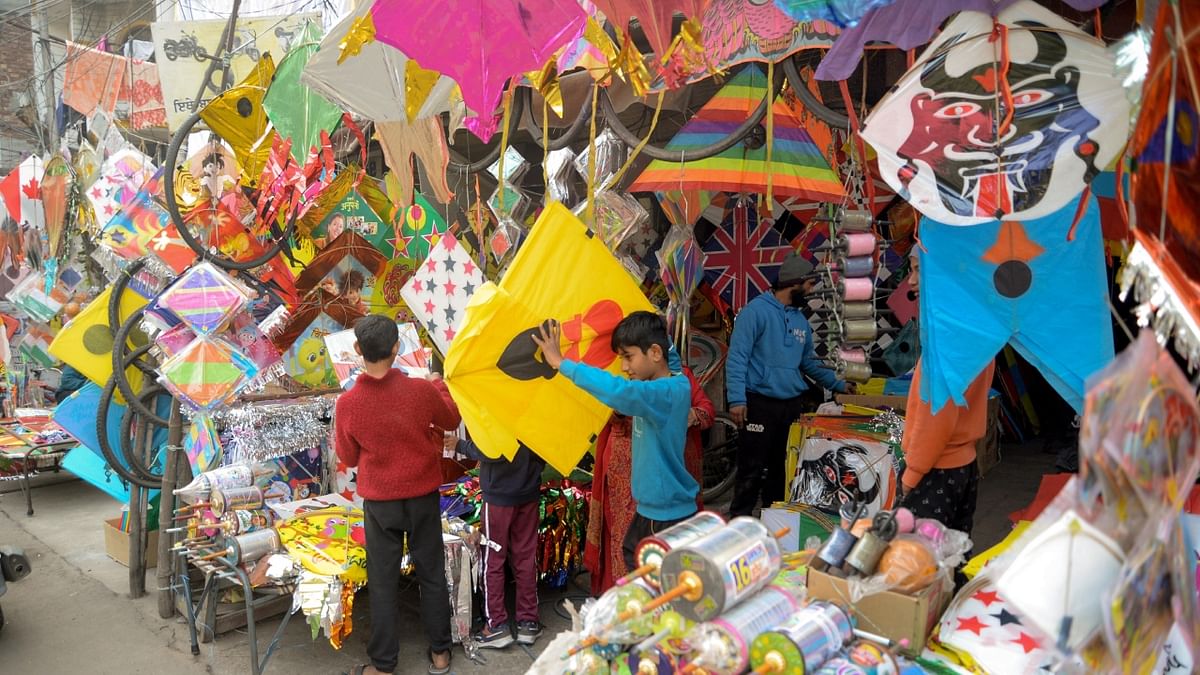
<point>770,352</point>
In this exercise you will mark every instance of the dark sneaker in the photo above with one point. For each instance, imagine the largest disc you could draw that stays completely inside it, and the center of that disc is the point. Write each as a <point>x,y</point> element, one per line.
<point>494,638</point>
<point>528,632</point>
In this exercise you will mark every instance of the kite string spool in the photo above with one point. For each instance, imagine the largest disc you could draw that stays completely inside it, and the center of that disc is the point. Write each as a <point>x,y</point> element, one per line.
<point>858,310</point>
<point>852,354</point>
<point>652,549</point>
<point>855,221</point>
<point>859,243</point>
<point>723,644</point>
<point>853,371</point>
<point>235,499</point>
<point>242,522</point>
<point>859,330</point>
<point>803,642</point>
<point>254,545</point>
<point>857,289</point>
<point>861,266</point>
<point>726,566</point>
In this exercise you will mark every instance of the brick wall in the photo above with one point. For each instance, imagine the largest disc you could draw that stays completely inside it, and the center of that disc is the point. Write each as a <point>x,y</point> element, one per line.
<point>17,138</point>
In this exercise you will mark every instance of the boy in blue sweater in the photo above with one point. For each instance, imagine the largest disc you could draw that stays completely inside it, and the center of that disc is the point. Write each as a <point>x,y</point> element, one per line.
<point>657,401</point>
<point>770,351</point>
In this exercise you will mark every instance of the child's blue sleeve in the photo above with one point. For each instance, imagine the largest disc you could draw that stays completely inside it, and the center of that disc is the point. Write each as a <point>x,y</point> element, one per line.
<point>467,447</point>
<point>628,397</point>
<point>814,367</point>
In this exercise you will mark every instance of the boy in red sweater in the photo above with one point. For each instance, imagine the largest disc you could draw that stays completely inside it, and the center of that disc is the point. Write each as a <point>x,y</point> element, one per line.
<point>384,428</point>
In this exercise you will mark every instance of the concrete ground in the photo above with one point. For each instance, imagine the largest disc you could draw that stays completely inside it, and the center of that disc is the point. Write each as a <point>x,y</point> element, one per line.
<point>74,612</point>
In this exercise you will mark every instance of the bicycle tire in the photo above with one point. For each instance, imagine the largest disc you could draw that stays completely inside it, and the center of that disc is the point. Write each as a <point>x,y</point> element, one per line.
<point>114,300</point>
<point>106,450</point>
<point>725,453</point>
<point>123,386</point>
<point>177,218</point>
<point>567,137</point>
<point>814,105</point>
<point>134,456</point>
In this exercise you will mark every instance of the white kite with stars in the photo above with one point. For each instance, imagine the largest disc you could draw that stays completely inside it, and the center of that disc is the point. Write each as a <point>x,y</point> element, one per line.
<point>438,293</point>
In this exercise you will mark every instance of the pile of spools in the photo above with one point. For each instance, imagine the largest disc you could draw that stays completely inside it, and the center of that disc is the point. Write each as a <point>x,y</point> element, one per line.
<point>849,266</point>
<point>225,516</point>
<point>709,597</point>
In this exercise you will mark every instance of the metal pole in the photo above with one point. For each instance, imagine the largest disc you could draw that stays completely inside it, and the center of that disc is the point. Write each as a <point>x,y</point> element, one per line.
<point>166,509</point>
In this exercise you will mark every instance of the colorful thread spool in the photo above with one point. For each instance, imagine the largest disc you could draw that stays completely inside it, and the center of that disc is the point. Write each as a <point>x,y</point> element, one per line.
<point>652,549</point>
<point>858,310</point>
<point>858,243</point>
<point>852,354</point>
<point>855,221</point>
<point>854,371</point>
<point>224,478</point>
<point>722,568</point>
<point>236,499</point>
<point>804,642</point>
<point>249,520</point>
<point>861,266</point>
<point>833,553</point>
<point>856,290</point>
<point>722,646</point>
<point>862,658</point>
<point>859,330</point>
<point>653,661</point>
<point>252,546</point>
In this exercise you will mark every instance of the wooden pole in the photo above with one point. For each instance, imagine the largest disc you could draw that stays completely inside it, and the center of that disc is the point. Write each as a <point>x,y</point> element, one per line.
<point>137,522</point>
<point>166,506</point>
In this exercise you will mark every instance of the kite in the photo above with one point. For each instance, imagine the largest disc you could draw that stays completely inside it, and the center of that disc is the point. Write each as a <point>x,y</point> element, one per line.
<point>1012,128</point>
<point>1027,283</point>
<point>295,110</point>
<point>86,342</point>
<point>503,390</point>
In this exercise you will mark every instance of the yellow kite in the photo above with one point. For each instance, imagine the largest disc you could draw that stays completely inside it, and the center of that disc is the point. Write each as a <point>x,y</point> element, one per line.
<point>495,373</point>
<point>86,344</point>
<point>238,117</point>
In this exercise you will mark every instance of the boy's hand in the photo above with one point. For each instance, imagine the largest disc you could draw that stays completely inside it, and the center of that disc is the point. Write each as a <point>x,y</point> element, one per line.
<point>693,418</point>
<point>548,338</point>
<point>738,413</point>
<point>433,377</point>
<point>850,388</point>
<point>450,441</point>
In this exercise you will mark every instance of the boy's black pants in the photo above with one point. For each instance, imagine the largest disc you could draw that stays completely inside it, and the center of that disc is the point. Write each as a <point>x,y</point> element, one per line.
<point>762,451</point>
<point>947,496</point>
<point>640,528</point>
<point>386,523</point>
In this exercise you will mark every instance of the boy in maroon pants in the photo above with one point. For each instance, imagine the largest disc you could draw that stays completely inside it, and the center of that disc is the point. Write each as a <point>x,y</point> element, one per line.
<point>511,493</point>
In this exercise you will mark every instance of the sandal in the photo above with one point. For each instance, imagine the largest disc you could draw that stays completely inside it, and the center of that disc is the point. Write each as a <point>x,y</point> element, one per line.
<point>358,670</point>
<point>433,669</point>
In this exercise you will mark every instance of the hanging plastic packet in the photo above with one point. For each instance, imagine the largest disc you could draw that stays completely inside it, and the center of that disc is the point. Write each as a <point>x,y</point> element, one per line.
<point>561,173</point>
<point>610,155</point>
<point>29,296</point>
<point>506,239</point>
<point>617,215</point>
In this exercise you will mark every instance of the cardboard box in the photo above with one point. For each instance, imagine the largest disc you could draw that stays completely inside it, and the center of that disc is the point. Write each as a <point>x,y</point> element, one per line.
<point>895,616</point>
<point>116,543</point>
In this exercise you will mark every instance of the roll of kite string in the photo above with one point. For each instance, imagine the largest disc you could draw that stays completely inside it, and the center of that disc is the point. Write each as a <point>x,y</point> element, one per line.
<point>859,330</point>
<point>861,266</point>
<point>236,499</point>
<point>865,657</point>
<point>252,546</point>
<point>854,220</point>
<point>858,243</point>
<point>712,574</point>
<point>857,310</point>
<point>223,478</point>
<point>856,290</point>
<point>804,642</point>
<point>722,646</point>
<point>852,354</point>
<point>250,520</point>
<point>651,550</point>
<point>853,371</point>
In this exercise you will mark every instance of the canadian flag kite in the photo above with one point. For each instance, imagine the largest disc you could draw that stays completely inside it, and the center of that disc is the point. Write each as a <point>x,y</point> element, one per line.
<point>21,191</point>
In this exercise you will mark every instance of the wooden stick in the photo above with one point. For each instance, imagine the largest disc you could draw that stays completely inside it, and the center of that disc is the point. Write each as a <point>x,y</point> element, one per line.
<point>637,574</point>
<point>782,532</point>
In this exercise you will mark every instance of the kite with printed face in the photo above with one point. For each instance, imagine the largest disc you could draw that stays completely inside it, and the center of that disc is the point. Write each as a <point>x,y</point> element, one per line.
<point>1010,128</point>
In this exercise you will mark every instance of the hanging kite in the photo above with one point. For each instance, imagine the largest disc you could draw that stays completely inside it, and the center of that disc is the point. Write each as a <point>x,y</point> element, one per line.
<point>502,388</point>
<point>1012,128</point>
<point>1024,282</point>
<point>797,166</point>
<point>296,111</point>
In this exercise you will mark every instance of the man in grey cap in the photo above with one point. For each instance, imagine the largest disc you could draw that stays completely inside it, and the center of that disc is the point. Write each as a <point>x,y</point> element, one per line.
<point>770,352</point>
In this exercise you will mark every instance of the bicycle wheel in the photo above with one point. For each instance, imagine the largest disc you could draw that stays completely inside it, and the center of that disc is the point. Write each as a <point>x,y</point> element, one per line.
<point>720,458</point>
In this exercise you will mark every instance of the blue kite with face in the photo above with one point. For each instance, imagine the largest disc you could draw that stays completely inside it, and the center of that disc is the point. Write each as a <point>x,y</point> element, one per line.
<point>1039,285</point>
